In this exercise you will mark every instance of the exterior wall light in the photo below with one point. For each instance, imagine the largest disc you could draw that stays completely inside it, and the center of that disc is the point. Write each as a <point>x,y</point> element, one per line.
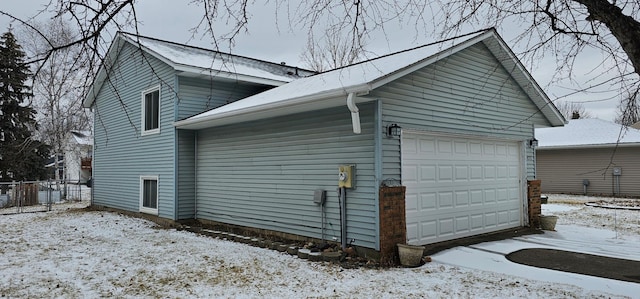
<point>533,143</point>
<point>393,130</point>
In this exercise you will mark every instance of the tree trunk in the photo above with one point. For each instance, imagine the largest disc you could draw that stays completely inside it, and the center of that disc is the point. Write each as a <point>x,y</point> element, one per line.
<point>56,169</point>
<point>625,28</point>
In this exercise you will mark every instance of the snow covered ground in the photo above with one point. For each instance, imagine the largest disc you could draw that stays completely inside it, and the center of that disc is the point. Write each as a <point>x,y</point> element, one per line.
<point>73,253</point>
<point>580,228</point>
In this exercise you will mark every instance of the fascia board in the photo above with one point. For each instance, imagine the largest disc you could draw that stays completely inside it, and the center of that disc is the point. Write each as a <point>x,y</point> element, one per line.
<point>205,71</point>
<point>118,44</point>
<point>143,48</point>
<point>109,61</point>
<point>223,74</point>
<point>512,64</point>
<point>101,76</point>
<point>302,104</point>
<point>587,146</point>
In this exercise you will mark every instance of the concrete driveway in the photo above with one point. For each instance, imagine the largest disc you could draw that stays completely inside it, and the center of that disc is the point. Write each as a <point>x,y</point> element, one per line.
<point>490,256</point>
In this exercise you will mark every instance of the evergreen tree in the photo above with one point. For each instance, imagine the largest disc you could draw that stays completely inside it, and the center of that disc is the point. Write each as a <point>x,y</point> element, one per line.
<point>21,157</point>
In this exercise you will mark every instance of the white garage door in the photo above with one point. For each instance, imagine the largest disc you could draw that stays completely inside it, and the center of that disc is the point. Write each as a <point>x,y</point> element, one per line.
<point>458,187</point>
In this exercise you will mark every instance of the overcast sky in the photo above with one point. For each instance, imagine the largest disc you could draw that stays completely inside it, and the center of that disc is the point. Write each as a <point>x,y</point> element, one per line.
<point>273,40</point>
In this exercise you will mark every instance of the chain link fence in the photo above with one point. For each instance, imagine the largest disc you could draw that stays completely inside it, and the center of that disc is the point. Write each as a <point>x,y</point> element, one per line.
<point>39,196</point>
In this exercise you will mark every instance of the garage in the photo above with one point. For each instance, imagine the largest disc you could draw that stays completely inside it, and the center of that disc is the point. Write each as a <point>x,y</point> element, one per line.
<point>459,186</point>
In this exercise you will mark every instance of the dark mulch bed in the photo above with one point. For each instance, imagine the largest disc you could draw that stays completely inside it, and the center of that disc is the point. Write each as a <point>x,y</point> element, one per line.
<point>580,263</point>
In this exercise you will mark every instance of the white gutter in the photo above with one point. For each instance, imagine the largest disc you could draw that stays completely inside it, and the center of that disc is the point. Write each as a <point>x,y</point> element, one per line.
<point>228,115</point>
<point>191,71</point>
<point>355,114</point>
<point>583,146</point>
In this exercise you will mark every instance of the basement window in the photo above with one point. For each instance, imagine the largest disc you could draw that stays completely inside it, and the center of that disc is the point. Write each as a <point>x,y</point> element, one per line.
<point>149,194</point>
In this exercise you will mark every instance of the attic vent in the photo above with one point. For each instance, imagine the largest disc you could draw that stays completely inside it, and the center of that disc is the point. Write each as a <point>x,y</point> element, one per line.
<point>291,73</point>
<point>575,115</point>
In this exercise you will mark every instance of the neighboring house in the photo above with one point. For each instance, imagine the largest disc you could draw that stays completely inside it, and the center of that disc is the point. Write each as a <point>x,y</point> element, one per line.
<point>52,168</point>
<point>604,153</point>
<point>74,165</point>
<point>636,125</point>
<point>184,133</point>
<point>77,156</point>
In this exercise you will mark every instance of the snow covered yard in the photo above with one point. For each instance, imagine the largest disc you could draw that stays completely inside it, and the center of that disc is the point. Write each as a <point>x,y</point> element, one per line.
<point>73,253</point>
<point>571,209</point>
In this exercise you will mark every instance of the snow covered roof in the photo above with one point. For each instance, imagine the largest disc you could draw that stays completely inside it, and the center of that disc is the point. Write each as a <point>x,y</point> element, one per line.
<point>329,89</point>
<point>589,132</point>
<point>202,61</point>
<point>194,61</point>
<point>82,137</point>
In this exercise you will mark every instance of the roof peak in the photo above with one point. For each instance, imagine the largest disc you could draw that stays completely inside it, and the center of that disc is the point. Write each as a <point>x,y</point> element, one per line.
<point>134,38</point>
<point>477,33</point>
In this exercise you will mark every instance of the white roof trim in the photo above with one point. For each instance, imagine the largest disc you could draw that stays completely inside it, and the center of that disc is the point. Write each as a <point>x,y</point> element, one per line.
<point>586,146</point>
<point>540,98</point>
<point>252,69</point>
<point>224,74</point>
<point>101,76</point>
<point>348,79</point>
<point>317,101</point>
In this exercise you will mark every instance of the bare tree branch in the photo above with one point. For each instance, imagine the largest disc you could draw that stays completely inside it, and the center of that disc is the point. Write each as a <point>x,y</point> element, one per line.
<point>563,29</point>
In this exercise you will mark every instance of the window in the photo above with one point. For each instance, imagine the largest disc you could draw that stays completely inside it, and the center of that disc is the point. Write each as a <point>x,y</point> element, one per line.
<point>149,194</point>
<point>151,111</point>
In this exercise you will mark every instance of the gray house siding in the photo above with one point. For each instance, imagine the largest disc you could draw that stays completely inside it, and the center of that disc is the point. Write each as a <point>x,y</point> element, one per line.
<point>186,180</point>
<point>199,95</point>
<point>466,93</point>
<point>263,174</point>
<point>196,95</point>
<point>562,170</point>
<point>121,153</point>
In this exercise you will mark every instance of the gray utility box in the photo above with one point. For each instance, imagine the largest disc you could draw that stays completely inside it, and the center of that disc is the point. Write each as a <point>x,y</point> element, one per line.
<point>617,171</point>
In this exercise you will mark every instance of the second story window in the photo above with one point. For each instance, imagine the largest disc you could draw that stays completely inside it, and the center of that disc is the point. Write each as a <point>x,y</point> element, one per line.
<point>151,111</point>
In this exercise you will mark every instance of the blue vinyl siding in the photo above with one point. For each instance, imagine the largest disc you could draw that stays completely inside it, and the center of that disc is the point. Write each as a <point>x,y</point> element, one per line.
<point>121,153</point>
<point>263,174</point>
<point>199,95</point>
<point>186,183</point>
<point>467,93</point>
<point>196,95</point>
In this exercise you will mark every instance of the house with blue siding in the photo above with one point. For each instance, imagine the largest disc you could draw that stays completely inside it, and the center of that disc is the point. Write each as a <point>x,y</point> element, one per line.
<point>187,133</point>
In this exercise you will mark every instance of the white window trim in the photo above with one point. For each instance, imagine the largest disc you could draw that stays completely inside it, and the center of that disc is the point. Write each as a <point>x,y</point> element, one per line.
<point>142,111</point>
<point>145,209</point>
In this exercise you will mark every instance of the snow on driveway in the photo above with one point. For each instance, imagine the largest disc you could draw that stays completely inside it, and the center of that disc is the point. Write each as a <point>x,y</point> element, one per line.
<point>72,253</point>
<point>580,228</point>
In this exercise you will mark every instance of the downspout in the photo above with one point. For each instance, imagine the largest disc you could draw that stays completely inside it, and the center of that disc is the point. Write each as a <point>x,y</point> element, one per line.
<point>377,167</point>
<point>342,191</point>
<point>355,122</point>
<point>195,176</point>
<point>355,114</point>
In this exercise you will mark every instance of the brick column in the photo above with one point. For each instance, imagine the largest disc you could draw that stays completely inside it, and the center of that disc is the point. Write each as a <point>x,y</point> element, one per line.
<point>535,209</point>
<point>393,225</point>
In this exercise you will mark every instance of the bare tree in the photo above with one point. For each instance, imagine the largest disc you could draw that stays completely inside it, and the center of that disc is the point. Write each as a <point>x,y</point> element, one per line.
<point>58,86</point>
<point>330,52</point>
<point>629,110</point>
<point>562,28</point>
<point>573,110</point>
<point>92,19</point>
